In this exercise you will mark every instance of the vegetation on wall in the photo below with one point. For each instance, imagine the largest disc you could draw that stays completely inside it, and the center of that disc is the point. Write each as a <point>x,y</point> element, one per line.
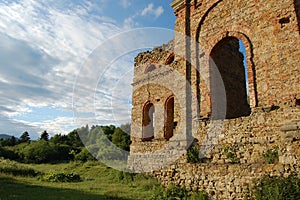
<point>193,154</point>
<point>230,153</point>
<point>272,156</point>
<point>277,188</point>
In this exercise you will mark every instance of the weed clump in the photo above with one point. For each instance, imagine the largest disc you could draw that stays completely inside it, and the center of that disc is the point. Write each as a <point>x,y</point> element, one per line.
<point>61,177</point>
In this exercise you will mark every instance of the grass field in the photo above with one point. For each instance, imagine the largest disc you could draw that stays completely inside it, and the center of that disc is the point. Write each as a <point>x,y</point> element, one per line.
<point>98,182</point>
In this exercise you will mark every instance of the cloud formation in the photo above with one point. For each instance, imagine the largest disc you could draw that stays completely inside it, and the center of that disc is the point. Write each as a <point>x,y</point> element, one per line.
<point>125,3</point>
<point>43,45</point>
<point>150,10</point>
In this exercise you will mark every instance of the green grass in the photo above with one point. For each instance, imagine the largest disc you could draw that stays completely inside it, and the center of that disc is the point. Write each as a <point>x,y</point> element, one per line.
<point>98,182</point>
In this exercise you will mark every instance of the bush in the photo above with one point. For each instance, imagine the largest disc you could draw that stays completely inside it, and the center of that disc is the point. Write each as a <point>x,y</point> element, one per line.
<point>193,154</point>
<point>61,177</point>
<point>199,196</point>
<point>230,153</point>
<point>175,192</point>
<point>8,154</point>
<point>13,168</point>
<point>45,152</point>
<point>84,156</point>
<point>278,188</point>
<point>271,156</point>
<point>126,177</point>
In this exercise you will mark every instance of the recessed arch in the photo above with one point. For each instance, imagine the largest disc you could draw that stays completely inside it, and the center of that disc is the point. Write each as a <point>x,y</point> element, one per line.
<point>170,59</point>
<point>251,71</point>
<point>229,63</point>
<point>169,118</point>
<point>150,68</point>
<point>148,121</point>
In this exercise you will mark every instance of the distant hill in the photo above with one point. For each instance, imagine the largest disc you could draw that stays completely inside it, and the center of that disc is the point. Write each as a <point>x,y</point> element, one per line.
<point>5,136</point>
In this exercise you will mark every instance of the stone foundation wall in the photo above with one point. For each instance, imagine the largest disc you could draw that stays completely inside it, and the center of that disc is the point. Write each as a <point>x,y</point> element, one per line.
<point>231,176</point>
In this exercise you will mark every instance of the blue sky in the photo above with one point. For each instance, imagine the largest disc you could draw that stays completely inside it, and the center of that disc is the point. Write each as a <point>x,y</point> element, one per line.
<point>44,48</point>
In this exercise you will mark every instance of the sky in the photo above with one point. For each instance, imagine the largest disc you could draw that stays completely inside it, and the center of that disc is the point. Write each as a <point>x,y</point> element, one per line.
<point>57,71</point>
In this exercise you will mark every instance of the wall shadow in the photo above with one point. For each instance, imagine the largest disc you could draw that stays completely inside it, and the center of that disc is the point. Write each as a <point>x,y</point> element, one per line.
<point>12,189</point>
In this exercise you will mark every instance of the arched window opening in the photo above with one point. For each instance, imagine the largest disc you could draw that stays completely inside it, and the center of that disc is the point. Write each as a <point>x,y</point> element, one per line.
<point>170,59</point>
<point>228,58</point>
<point>148,122</point>
<point>169,118</point>
<point>150,68</point>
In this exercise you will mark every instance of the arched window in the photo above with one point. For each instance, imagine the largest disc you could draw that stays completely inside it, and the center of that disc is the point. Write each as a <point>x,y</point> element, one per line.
<point>150,68</point>
<point>170,59</point>
<point>229,63</point>
<point>148,121</point>
<point>169,118</point>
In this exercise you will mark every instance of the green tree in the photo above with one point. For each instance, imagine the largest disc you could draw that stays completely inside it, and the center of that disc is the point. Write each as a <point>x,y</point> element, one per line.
<point>121,139</point>
<point>12,141</point>
<point>108,131</point>
<point>125,128</point>
<point>45,136</point>
<point>83,132</point>
<point>25,137</point>
<point>74,139</point>
<point>84,155</point>
<point>60,139</point>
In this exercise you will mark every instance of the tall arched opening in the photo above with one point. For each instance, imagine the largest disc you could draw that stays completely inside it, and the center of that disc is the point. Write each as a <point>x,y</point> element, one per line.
<point>169,118</point>
<point>229,63</point>
<point>148,121</point>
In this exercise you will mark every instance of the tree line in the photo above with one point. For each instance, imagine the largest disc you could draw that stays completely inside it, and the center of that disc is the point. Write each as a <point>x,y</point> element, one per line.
<point>81,144</point>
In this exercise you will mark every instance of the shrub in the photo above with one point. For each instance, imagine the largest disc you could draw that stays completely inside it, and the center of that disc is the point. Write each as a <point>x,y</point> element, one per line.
<point>271,156</point>
<point>193,154</point>
<point>278,188</point>
<point>126,177</point>
<point>61,177</point>
<point>175,192</point>
<point>199,196</point>
<point>230,153</point>
<point>13,168</point>
<point>8,154</point>
<point>84,156</point>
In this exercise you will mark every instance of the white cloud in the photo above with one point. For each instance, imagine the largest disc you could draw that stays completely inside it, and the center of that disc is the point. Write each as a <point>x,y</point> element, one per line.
<point>130,22</point>
<point>45,48</point>
<point>125,3</point>
<point>43,45</point>
<point>159,11</point>
<point>150,10</point>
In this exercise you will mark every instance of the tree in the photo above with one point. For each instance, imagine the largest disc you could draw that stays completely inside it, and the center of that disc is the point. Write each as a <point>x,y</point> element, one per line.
<point>108,131</point>
<point>25,137</point>
<point>12,141</point>
<point>60,139</point>
<point>75,139</point>
<point>45,136</point>
<point>121,139</point>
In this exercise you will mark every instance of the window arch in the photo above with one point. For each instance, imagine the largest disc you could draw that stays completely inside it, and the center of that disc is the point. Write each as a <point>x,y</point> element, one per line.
<point>169,118</point>
<point>148,121</point>
<point>150,68</point>
<point>229,60</point>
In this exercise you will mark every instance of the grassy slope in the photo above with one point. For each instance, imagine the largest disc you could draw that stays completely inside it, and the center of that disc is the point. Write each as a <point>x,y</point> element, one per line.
<point>99,182</point>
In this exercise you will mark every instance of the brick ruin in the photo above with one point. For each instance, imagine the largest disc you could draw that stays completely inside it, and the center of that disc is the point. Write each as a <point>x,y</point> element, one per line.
<point>178,102</point>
